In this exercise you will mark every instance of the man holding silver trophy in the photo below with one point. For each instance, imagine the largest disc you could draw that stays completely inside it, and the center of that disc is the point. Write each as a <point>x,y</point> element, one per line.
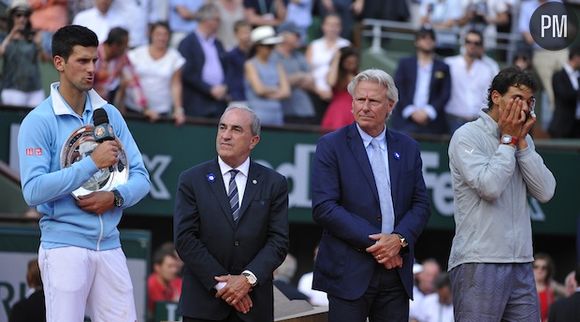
<point>80,167</point>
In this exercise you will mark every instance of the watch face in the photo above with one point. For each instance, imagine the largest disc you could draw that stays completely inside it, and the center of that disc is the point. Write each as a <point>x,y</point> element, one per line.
<point>506,139</point>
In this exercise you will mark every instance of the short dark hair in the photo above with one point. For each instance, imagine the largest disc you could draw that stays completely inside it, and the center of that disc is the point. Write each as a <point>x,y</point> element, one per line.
<point>425,32</point>
<point>117,36</point>
<point>240,24</point>
<point>69,36</point>
<point>475,32</point>
<point>508,77</point>
<point>163,251</point>
<point>158,24</point>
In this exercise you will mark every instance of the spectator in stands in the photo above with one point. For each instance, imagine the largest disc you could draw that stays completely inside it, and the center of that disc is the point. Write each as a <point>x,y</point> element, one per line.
<point>297,108</point>
<point>204,87</point>
<point>32,308</point>
<point>436,307</point>
<point>235,60</point>
<point>344,67</point>
<point>101,18</point>
<point>424,84</point>
<point>566,86</point>
<point>300,14</point>
<point>114,74</point>
<point>47,17</point>
<point>141,14</point>
<point>319,55</point>
<point>344,10</point>
<point>266,83</point>
<point>231,11</point>
<point>545,62</point>
<point>426,278</point>
<point>265,12</point>
<point>565,310</point>
<point>283,279</point>
<point>543,274</point>
<point>20,51</point>
<point>163,284</point>
<point>470,81</point>
<point>183,16</point>
<point>76,6</point>
<point>485,16</point>
<point>444,18</point>
<point>522,61</point>
<point>394,10</point>
<point>316,298</point>
<point>158,67</point>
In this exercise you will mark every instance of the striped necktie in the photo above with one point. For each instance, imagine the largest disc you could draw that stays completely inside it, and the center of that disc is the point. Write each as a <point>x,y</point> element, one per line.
<point>233,195</point>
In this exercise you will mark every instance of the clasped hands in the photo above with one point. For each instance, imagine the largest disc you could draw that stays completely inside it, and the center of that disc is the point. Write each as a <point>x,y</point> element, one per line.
<point>235,292</point>
<point>386,250</point>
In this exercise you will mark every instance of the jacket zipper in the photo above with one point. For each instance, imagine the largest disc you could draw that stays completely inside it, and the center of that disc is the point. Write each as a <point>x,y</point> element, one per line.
<point>100,233</point>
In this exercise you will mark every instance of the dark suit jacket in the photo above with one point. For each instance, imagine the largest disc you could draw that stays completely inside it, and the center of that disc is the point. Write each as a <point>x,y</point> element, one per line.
<point>211,244</point>
<point>345,203</point>
<point>566,310</point>
<point>31,309</point>
<point>197,99</point>
<point>562,124</point>
<point>439,93</point>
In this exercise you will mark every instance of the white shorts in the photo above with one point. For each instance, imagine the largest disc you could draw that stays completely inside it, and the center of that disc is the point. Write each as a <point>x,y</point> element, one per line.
<point>77,279</point>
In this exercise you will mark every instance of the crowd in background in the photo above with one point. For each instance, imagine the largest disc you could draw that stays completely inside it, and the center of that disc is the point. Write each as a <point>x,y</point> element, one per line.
<point>191,58</point>
<point>178,59</point>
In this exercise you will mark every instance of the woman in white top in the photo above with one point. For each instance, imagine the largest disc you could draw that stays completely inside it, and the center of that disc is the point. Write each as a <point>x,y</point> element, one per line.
<point>320,52</point>
<point>159,70</point>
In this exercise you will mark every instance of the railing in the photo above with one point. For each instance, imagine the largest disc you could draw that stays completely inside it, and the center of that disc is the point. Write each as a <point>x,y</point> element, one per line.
<point>379,29</point>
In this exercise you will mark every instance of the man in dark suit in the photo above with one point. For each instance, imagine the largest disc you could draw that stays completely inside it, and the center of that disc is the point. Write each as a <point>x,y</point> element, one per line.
<point>567,309</point>
<point>204,89</point>
<point>369,196</point>
<point>424,85</point>
<point>566,120</point>
<point>231,228</point>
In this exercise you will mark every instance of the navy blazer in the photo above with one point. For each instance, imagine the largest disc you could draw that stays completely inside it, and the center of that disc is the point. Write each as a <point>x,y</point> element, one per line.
<point>197,99</point>
<point>565,96</point>
<point>566,309</point>
<point>210,243</point>
<point>439,93</point>
<point>345,203</point>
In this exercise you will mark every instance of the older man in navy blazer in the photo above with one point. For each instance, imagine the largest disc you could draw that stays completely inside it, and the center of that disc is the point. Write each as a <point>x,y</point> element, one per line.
<point>369,196</point>
<point>231,228</point>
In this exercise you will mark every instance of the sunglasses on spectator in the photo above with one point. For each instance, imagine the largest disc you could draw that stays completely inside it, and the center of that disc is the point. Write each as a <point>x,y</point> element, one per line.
<point>21,14</point>
<point>475,43</point>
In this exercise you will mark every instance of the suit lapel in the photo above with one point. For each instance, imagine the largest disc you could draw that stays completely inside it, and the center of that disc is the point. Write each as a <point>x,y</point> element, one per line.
<point>354,142</point>
<point>394,151</point>
<point>218,189</point>
<point>252,185</point>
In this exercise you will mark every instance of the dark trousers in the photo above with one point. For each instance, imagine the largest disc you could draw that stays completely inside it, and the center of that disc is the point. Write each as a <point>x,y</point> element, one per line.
<point>384,300</point>
<point>233,317</point>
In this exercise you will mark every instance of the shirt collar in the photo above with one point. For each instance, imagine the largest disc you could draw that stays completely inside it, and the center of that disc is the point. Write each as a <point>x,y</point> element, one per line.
<point>244,168</point>
<point>488,121</point>
<point>571,72</point>
<point>203,37</point>
<point>367,138</point>
<point>60,106</point>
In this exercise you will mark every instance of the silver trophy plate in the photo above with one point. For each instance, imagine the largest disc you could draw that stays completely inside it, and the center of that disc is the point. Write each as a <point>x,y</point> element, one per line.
<point>80,145</point>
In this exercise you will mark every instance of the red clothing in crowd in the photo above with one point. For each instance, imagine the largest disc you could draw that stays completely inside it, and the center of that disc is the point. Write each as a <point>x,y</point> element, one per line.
<point>158,292</point>
<point>339,112</point>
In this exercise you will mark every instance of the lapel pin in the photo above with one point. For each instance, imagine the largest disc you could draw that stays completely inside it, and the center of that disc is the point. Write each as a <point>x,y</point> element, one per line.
<point>210,177</point>
<point>254,181</point>
<point>396,155</point>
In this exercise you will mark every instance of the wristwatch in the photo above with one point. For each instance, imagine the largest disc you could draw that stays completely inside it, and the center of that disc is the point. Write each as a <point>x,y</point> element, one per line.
<point>508,139</point>
<point>403,241</point>
<point>250,277</point>
<point>118,200</point>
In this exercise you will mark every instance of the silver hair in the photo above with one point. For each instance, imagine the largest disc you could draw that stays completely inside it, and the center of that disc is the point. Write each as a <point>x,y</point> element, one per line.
<point>207,11</point>
<point>256,125</point>
<point>377,76</point>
